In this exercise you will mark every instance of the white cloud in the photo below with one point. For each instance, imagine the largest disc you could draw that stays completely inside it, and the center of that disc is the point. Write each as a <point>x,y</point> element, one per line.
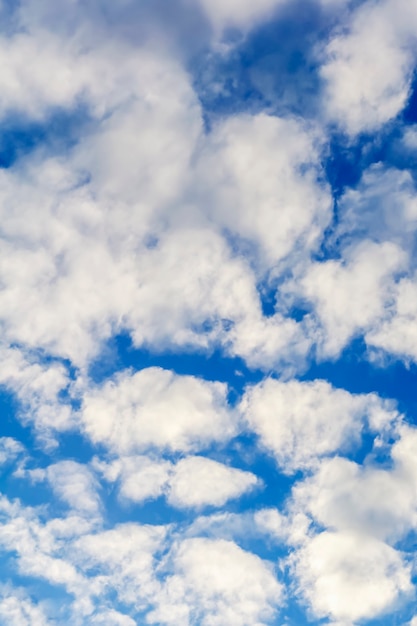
<point>214,583</point>
<point>396,334</point>
<point>199,481</point>
<point>113,618</point>
<point>351,570</point>
<point>16,609</point>
<point>37,386</point>
<point>140,477</point>
<point>242,14</point>
<point>260,180</point>
<point>368,70</point>
<point>157,408</point>
<point>301,421</point>
<point>383,207</point>
<point>38,547</point>
<point>9,449</point>
<point>193,482</point>
<point>74,484</point>
<point>124,556</point>
<point>350,296</point>
<point>349,577</point>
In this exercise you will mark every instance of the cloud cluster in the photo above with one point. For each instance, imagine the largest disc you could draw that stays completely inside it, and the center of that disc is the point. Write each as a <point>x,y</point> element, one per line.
<point>250,489</point>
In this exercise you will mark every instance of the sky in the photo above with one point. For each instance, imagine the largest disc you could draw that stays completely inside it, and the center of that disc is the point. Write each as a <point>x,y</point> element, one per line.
<point>208,311</point>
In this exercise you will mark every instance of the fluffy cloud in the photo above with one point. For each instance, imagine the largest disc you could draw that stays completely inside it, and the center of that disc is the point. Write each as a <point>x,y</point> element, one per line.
<point>198,481</point>
<point>140,477</point>
<point>216,582</point>
<point>193,482</point>
<point>301,421</point>
<point>350,577</point>
<point>38,547</point>
<point>397,332</point>
<point>124,556</point>
<point>383,207</point>
<point>9,449</point>
<point>241,14</point>
<point>368,71</point>
<point>350,296</point>
<point>113,618</point>
<point>37,386</point>
<point>260,176</point>
<point>157,408</point>
<point>74,484</point>
<point>352,569</point>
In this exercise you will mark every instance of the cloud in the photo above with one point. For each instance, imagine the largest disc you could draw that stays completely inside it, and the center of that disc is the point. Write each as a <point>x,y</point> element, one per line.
<point>157,408</point>
<point>9,449</point>
<point>192,482</point>
<point>216,582</point>
<point>113,618</point>
<point>17,609</point>
<point>260,179</point>
<point>382,207</point>
<point>241,14</point>
<point>74,484</point>
<point>350,296</point>
<point>38,549</point>
<point>37,386</point>
<point>367,71</point>
<point>396,334</point>
<point>124,556</point>
<point>347,561</point>
<point>198,481</point>
<point>299,422</point>
<point>349,577</point>
<point>140,477</point>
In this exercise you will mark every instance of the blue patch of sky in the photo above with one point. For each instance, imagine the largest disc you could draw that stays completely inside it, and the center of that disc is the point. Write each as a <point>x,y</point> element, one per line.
<point>271,69</point>
<point>356,373</point>
<point>57,133</point>
<point>119,353</point>
<point>409,114</point>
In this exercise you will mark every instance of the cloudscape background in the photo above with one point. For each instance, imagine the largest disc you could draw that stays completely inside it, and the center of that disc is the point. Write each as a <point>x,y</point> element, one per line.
<point>208,305</point>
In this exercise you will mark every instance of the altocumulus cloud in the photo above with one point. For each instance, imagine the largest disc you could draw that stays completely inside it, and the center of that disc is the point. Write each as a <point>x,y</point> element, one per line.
<point>208,305</point>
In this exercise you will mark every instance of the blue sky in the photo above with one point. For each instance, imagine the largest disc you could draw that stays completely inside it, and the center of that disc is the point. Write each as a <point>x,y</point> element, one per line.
<point>208,305</point>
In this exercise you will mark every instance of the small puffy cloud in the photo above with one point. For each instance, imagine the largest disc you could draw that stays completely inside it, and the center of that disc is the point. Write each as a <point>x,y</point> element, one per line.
<point>112,618</point>
<point>397,333</point>
<point>215,582</point>
<point>198,482</point>
<point>73,483</point>
<point>193,482</point>
<point>37,386</point>
<point>242,14</point>
<point>38,548</point>
<point>349,577</point>
<point>350,296</point>
<point>379,502</point>
<point>298,422</point>
<point>271,522</point>
<point>140,477</point>
<point>124,557</point>
<point>10,449</point>
<point>383,207</point>
<point>367,71</point>
<point>352,570</point>
<point>157,408</point>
